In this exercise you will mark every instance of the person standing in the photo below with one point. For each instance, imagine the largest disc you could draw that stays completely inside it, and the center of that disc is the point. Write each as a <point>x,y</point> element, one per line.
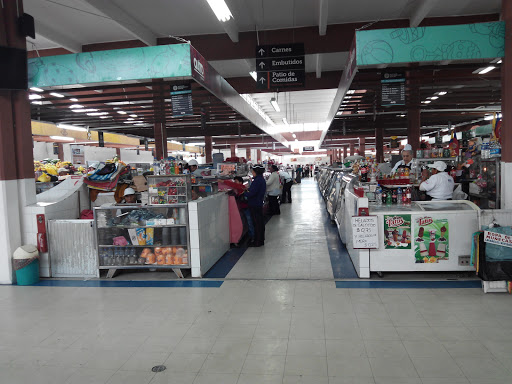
<point>287,182</point>
<point>255,196</point>
<point>273,191</point>
<point>243,207</point>
<point>406,161</point>
<point>299,174</point>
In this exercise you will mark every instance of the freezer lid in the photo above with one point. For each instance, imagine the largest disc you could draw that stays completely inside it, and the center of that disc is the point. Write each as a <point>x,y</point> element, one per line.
<point>448,205</point>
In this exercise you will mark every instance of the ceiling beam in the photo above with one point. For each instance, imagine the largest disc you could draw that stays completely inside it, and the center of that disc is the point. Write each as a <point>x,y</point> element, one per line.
<point>126,21</point>
<point>322,22</point>
<point>58,38</point>
<point>421,11</point>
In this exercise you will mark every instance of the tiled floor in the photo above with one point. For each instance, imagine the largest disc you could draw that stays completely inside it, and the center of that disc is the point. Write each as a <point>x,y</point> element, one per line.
<point>254,331</point>
<point>295,242</point>
<point>273,330</point>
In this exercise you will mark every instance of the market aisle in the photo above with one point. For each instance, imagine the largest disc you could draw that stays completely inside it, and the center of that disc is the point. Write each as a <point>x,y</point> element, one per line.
<point>295,242</point>
<point>277,332</point>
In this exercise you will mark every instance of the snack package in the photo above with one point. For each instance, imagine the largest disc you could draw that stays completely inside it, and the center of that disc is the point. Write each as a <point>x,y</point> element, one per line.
<point>150,235</point>
<point>133,236</point>
<point>150,258</point>
<point>160,259</point>
<point>141,235</point>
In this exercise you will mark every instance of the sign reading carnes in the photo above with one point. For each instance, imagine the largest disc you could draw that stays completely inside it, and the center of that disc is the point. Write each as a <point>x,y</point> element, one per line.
<point>280,66</point>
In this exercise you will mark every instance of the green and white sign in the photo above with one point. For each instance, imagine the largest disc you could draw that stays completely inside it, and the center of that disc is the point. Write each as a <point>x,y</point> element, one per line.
<point>162,61</point>
<point>397,231</point>
<point>449,42</point>
<point>431,240</point>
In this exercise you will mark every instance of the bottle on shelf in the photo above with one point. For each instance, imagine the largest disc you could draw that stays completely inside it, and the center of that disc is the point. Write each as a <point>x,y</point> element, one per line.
<point>394,197</point>
<point>389,199</point>
<point>378,196</point>
<point>384,197</point>
<point>408,196</point>
<point>399,196</point>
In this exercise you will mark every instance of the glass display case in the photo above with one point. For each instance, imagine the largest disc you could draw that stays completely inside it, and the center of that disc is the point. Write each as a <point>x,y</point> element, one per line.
<point>135,237</point>
<point>232,169</point>
<point>169,189</point>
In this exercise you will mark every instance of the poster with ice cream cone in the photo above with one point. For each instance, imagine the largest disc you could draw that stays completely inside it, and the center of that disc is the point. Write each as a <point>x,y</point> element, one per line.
<point>430,240</point>
<point>397,231</point>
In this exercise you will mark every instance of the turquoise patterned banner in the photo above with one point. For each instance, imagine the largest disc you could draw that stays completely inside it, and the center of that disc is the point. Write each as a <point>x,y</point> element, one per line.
<point>162,61</point>
<point>450,42</point>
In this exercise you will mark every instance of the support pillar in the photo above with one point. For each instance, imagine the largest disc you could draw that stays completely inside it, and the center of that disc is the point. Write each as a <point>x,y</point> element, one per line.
<point>233,150</point>
<point>17,184</point>
<point>344,152</point>
<point>362,146</point>
<point>208,148</point>
<point>379,144</point>
<point>160,132</point>
<point>506,110</point>
<point>247,154</point>
<point>413,128</point>
<point>259,156</point>
<point>352,149</point>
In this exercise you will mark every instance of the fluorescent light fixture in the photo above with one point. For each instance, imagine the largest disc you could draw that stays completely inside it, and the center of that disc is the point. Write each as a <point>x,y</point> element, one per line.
<point>442,93</point>
<point>97,113</point>
<point>130,119</point>
<point>285,121</point>
<point>85,110</point>
<point>56,94</point>
<point>104,117</point>
<point>127,122</point>
<point>118,103</point>
<point>274,104</point>
<point>37,102</point>
<point>426,102</point>
<point>254,75</point>
<point>133,115</point>
<point>294,135</point>
<point>488,117</point>
<point>402,115</point>
<point>33,96</point>
<point>139,124</point>
<point>62,138</point>
<point>498,62</point>
<point>76,106</point>
<point>35,89</point>
<point>71,127</point>
<point>350,92</point>
<point>73,100</point>
<point>220,9</point>
<point>121,112</point>
<point>296,139</point>
<point>434,98</point>
<point>485,70</point>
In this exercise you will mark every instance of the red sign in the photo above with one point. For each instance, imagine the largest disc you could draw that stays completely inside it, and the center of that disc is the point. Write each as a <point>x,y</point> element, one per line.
<point>422,221</point>
<point>394,221</point>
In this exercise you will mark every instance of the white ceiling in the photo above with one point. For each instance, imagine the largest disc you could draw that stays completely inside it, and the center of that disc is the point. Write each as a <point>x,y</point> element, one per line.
<point>301,107</point>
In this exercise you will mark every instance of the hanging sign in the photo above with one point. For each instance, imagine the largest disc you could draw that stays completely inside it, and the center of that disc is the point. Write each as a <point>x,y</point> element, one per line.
<point>498,239</point>
<point>280,66</point>
<point>181,100</point>
<point>365,232</point>
<point>393,88</point>
<point>308,149</point>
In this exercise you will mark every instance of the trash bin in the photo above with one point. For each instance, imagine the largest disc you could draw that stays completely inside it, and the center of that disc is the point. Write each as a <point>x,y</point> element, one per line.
<point>26,265</point>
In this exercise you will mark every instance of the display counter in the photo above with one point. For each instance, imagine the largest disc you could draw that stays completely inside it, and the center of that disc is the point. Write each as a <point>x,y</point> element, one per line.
<point>431,236</point>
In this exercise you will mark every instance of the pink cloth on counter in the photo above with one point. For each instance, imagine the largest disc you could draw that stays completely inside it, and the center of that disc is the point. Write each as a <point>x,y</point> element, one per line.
<point>235,221</point>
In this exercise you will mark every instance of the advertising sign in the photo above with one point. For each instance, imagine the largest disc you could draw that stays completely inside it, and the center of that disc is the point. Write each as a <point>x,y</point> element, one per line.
<point>77,154</point>
<point>365,232</point>
<point>397,231</point>
<point>498,239</point>
<point>280,66</point>
<point>431,240</point>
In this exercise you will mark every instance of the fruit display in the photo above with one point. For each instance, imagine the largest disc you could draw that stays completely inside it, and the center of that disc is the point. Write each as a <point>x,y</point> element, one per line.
<point>52,166</point>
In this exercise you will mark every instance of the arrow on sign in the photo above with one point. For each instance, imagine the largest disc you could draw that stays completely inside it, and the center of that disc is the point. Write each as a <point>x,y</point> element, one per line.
<point>262,64</point>
<point>261,51</point>
<point>262,80</point>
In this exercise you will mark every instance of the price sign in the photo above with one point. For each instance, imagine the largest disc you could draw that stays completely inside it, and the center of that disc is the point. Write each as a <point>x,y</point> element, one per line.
<point>365,232</point>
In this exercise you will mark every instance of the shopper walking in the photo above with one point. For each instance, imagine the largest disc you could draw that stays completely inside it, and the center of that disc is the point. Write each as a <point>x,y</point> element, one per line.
<point>255,196</point>
<point>298,171</point>
<point>243,207</point>
<point>287,181</point>
<point>273,191</point>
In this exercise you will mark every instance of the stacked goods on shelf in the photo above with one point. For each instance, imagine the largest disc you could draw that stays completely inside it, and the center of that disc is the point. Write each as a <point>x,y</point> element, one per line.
<point>172,189</point>
<point>107,177</point>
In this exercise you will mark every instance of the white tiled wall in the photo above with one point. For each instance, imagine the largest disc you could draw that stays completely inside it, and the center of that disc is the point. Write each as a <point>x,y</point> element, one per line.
<point>209,232</point>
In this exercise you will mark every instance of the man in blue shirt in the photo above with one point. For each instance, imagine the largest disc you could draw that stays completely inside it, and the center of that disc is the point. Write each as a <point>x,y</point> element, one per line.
<point>255,197</point>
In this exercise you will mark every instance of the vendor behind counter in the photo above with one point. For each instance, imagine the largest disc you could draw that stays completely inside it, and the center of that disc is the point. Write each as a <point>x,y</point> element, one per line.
<point>439,186</point>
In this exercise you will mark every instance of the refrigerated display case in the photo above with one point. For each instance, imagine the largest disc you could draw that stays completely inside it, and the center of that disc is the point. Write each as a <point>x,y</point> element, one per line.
<point>142,237</point>
<point>333,192</point>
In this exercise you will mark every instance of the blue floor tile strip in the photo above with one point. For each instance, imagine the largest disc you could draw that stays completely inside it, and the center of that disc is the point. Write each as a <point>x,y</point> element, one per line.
<point>132,284</point>
<point>342,266</point>
<point>409,284</point>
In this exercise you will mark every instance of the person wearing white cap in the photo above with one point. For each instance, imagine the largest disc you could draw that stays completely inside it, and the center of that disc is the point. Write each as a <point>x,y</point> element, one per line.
<point>406,161</point>
<point>129,196</point>
<point>440,185</point>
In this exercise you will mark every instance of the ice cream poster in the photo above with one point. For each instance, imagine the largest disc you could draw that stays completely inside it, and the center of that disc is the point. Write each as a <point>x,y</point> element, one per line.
<point>397,231</point>
<point>431,240</point>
